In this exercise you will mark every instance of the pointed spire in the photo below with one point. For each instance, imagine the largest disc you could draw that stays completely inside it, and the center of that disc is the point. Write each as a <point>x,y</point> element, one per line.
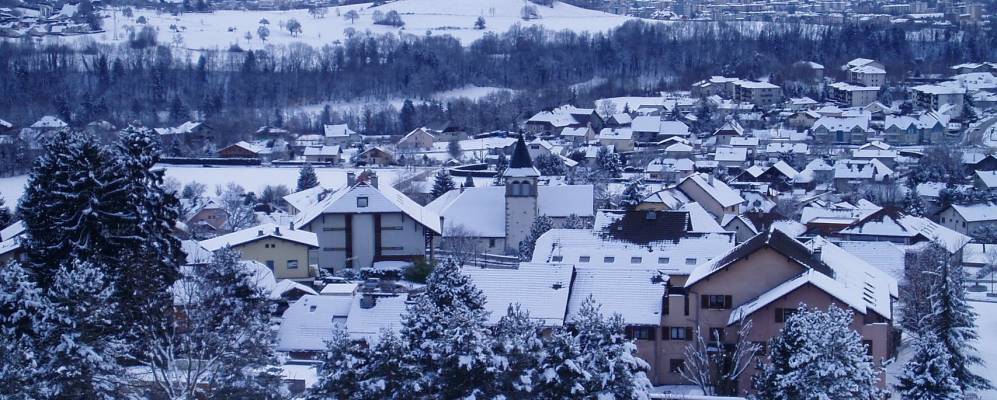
<point>521,155</point>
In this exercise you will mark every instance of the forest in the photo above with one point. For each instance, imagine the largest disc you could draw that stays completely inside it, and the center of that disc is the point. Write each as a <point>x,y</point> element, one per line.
<point>150,82</point>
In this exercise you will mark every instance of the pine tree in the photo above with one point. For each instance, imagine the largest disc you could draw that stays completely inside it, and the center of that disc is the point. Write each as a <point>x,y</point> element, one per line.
<point>954,322</point>
<point>23,308</point>
<point>518,350</point>
<point>913,204</point>
<point>341,372</point>
<point>82,349</point>
<point>562,374</point>
<point>445,331</point>
<point>407,116</point>
<point>540,226</point>
<point>442,184</point>
<point>817,356</point>
<point>6,218</point>
<point>307,178</point>
<point>241,314</point>
<point>633,194</point>
<point>391,372</point>
<point>611,358</point>
<point>609,164</point>
<point>928,375</point>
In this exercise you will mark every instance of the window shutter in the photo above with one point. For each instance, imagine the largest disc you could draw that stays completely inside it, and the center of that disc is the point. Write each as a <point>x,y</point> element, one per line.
<point>728,301</point>
<point>688,334</point>
<point>666,333</point>
<point>653,332</point>
<point>704,301</point>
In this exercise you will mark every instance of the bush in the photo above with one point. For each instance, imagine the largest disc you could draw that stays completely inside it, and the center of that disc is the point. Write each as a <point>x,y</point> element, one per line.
<point>390,18</point>
<point>418,272</point>
<point>145,38</point>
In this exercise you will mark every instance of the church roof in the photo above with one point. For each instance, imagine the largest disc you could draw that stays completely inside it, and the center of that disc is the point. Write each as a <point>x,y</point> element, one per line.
<point>521,164</point>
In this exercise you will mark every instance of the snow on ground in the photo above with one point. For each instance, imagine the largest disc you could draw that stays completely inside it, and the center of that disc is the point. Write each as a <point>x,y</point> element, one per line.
<point>253,179</point>
<point>470,91</point>
<point>452,17</point>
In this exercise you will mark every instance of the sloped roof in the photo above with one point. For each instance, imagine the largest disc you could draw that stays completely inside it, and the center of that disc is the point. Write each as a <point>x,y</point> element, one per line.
<point>310,322</point>
<point>247,235</point>
<point>521,164</point>
<point>543,289</point>
<point>481,210</point>
<point>774,239</point>
<point>340,130</point>
<point>977,212</point>
<point>634,293</point>
<point>367,323</point>
<point>718,190</point>
<point>382,199</point>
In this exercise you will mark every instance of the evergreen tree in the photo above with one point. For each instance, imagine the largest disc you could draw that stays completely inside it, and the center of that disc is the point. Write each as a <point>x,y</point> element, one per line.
<point>454,150</point>
<point>609,164</point>
<point>479,23</point>
<point>241,315</point>
<point>928,375</point>
<point>6,218</point>
<point>23,311</point>
<point>307,178</point>
<point>611,359</point>
<point>445,331</point>
<point>442,184</point>
<point>407,116</point>
<point>913,204</point>
<point>817,356</point>
<point>540,226</point>
<point>633,194</point>
<point>562,374</point>
<point>82,350</point>
<point>954,322</point>
<point>518,349</point>
<point>340,374</point>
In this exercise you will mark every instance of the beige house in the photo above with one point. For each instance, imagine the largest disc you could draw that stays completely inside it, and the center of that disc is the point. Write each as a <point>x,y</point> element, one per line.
<point>966,219</point>
<point>284,250</point>
<point>713,194</point>
<point>419,138</point>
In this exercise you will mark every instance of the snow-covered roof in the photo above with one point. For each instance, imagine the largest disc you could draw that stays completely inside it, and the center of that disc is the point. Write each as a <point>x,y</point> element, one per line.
<point>575,132</point>
<point>541,289</point>
<point>939,89</point>
<point>322,150</point>
<point>836,124</point>
<point>669,165</point>
<point>673,128</point>
<point>755,85</point>
<point>12,230</point>
<point>716,189</point>
<point>303,199</point>
<point>634,293</point>
<point>908,226</point>
<point>481,210</point>
<point>616,134</point>
<point>989,178</point>
<point>774,239</point>
<point>590,247</point>
<point>310,322</point>
<point>744,141</point>
<point>679,148</point>
<point>731,154</point>
<point>381,199</point>
<point>385,314</point>
<point>817,279</point>
<point>886,256</point>
<point>247,235</point>
<point>195,253</point>
<point>337,131</point>
<point>976,212</point>
<point>286,285</point>
<point>857,62</point>
<point>861,169</point>
<point>646,123</point>
<point>847,87</point>
<point>49,122</point>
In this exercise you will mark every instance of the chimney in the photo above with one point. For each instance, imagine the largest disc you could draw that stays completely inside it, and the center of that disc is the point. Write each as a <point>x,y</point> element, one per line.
<point>711,180</point>
<point>367,301</point>
<point>372,178</point>
<point>276,230</point>
<point>351,178</point>
<point>259,232</point>
<point>292,226</point>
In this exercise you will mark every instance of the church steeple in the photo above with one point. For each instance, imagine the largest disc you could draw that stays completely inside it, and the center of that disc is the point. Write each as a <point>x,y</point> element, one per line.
<point>521,164</point>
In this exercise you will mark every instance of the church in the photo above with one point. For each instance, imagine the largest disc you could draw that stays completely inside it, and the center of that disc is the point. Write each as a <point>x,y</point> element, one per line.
<point>499,217</point>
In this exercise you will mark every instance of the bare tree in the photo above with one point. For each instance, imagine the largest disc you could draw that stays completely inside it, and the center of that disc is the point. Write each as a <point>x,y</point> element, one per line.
<point>461,244</point>
<point>714,366</point>
<point>240,213</point>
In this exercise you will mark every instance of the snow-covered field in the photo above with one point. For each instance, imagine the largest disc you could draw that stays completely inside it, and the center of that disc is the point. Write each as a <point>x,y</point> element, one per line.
<point>251,178</point>
<point>452,17</point>
<point>471,92</point>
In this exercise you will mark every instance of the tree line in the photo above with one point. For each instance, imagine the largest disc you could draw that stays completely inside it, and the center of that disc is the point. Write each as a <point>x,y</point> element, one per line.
<point>240,90</point>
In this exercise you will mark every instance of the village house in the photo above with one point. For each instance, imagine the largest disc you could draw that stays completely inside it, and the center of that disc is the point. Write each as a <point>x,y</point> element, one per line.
<point>207,218</point>
<point>581,135</point>
<point>552,122</point>
<point>287,252</point>
<point>761,94</point>
<point>622,139</point>
<point>195,136</point>
<point>985,180</point>
<point>968,218</point>
<point>340,135</point>
<point>729,130</point>
<point>926,128</point>
<point>865,72</point>
<point>841,130</point>
<point>323,154</point>
<point>713,194</point>
<point>374,156</point>
<point>669,170</point>
<point>886,225</point>
<point>850,95</point>
<point>851,175</point>
<point>366,222</point>
<point>714,86</point>
<point>419,138</point>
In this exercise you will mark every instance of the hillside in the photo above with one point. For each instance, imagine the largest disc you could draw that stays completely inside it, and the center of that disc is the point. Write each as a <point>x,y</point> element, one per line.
<point>450,17</point>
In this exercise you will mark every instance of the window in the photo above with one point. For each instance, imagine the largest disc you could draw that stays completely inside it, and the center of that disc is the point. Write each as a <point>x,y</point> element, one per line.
<point>491,242</point>
<point>635,260</point>
<point>868,347</point>
<point>675,365</point>
<point>557,258</point>
<point>679,333</point>
<point>716,301</point>
<point>782,314</point>
<point>361,202</point>
<point>690,261</point>
<point>608,259</point>
<point>270,264</point>
<point>663,260</point>
<point>584,259</point>
<point>643,332</point>
<point>292,264</point>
